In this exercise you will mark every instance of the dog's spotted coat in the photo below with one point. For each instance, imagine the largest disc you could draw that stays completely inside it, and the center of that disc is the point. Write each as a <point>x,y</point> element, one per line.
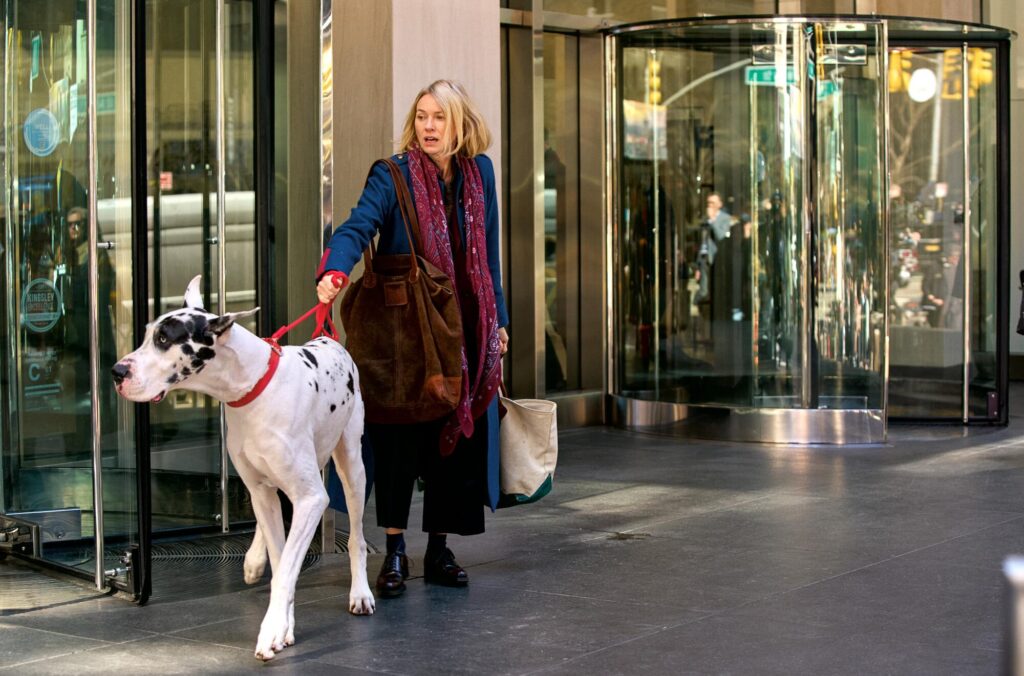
<point>310,411</point>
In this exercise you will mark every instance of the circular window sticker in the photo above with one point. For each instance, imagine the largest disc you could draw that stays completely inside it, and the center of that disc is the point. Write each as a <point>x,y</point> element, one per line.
<point>40,305</point>
<point>41,132</point>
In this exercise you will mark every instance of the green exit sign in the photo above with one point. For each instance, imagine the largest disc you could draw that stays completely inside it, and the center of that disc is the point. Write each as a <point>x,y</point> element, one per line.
<point>767,75</point>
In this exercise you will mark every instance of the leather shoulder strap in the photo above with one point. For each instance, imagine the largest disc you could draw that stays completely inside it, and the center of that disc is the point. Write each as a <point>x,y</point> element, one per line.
<point>405,204</point>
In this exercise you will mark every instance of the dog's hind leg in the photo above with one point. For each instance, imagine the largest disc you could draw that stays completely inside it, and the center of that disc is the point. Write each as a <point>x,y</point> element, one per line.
<point>302,484</point>
<point>348,460</point>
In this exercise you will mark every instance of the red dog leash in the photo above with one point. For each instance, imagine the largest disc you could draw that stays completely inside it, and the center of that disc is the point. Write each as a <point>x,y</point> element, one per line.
<point>323,316</point>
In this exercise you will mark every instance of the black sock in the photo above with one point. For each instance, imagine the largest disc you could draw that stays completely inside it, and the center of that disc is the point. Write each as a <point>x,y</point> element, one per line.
<point>395,543</point>
<point>436,542</point>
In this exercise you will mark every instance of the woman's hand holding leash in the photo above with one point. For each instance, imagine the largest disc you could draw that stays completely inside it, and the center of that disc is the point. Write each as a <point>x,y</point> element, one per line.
<point>330,286</point>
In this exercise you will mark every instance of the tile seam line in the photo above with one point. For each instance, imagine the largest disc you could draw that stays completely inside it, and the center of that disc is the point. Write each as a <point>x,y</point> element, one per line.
<point>8,667</point>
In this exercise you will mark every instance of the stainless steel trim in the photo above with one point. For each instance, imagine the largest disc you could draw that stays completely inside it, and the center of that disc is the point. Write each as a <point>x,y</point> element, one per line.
<point>886,224</point>
<point>809,192</point>
<point>775,426</point>
<point>225,516</point>
<point>965,253</point>
<point>11,206</point>
<point>94,283</point>
<point>579,409</point>
<point>326,190</point>
<point>611,180</point>
<point>854,21</point>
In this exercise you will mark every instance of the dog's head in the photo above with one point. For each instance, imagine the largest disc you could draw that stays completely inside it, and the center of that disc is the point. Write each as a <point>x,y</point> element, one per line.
<point>177,347</point>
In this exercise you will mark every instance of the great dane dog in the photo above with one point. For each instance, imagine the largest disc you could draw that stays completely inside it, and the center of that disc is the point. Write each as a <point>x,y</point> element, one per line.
<point>281,430</point>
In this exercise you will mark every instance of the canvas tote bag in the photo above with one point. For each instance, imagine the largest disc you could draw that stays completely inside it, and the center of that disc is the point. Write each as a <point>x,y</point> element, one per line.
<point>404,329</point>
<point>529,449</point>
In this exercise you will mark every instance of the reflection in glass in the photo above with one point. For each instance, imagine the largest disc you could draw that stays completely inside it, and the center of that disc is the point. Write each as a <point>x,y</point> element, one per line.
<point>926,205</point>
<point>561,214</point>
<point>47,396</point>
<point>724,131</point>
<point>850,277</point>
<point>983,202</point>
<point>182,111</point>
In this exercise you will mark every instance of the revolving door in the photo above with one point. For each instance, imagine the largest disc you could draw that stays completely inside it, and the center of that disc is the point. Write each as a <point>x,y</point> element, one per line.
<point>758,291</point>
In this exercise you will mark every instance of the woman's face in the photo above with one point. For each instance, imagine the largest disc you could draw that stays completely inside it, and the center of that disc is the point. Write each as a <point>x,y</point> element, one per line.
<point>75,227</point>
<point>430,127</point>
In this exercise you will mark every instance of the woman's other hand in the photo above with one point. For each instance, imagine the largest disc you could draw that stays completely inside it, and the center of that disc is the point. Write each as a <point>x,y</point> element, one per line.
<point>331,285</point>
<point>503,339</point>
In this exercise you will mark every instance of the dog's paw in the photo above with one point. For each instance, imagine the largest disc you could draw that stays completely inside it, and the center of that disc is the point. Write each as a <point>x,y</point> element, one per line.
<point>361,603</point>
<point>252,569</point>
<point>274,637</point>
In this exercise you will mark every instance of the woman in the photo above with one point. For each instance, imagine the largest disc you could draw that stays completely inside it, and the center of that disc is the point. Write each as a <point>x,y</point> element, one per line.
<point>452,184</point>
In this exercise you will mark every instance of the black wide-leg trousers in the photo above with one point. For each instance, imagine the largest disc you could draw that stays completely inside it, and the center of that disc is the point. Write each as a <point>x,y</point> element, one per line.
<point>455,487</point>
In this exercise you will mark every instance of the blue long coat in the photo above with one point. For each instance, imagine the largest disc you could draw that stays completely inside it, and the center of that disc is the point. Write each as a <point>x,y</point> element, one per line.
<point>377,212</point>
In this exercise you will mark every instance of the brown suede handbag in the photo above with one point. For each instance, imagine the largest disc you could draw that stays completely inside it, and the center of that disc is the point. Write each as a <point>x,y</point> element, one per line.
<point>404,329</point>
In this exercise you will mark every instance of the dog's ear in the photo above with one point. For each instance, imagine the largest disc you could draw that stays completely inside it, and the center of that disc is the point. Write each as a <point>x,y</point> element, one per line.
<point>193,296</point>
<point>218,325</point>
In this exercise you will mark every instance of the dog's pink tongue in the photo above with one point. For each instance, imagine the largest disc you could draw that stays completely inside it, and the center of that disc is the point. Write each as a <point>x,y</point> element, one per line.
<point>157,398</point>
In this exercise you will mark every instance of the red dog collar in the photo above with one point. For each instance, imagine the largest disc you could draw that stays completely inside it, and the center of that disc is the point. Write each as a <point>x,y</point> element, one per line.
<point>261,384</point>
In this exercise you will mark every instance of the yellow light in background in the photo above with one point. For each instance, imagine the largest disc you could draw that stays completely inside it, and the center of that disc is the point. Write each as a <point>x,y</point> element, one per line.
<point>653,79</point>
<point>951,69</point>
<point>899,71</point>
<point>979,69</point>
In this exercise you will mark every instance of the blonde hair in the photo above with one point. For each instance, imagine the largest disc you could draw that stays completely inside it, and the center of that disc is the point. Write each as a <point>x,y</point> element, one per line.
<point>466,133</point>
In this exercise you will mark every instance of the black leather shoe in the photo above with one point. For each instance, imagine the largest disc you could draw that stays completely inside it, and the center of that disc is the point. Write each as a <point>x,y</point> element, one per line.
<point>391,579</point>
<point>442,569</point>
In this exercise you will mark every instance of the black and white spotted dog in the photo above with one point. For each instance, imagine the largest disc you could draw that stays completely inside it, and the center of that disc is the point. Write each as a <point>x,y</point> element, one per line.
<point>308,411</point>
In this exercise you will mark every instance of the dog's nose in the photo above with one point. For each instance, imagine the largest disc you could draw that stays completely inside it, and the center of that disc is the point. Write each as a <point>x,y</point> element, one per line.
<point>120,372</point>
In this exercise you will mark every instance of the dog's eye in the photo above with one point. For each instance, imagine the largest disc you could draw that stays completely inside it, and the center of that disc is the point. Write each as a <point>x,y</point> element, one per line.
<point>162,339</point>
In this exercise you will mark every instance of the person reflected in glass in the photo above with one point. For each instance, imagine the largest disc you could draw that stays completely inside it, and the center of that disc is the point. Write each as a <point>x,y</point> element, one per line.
<point>73,278</point>
<point>452,183</point>
<point>713,229</point>
<point>555,223</point>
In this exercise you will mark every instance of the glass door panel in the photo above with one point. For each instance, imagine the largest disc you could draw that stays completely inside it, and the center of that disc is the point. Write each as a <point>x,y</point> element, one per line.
<point>240,272</point>
<point>710,271</point>
<point>182,109</point>
<point>777,91</point>
<point>561,214</point>
<point>114,334</point>
<point>849,281</point>
<point>185,426</point>
<point>983,225</point>
<point>926,205</point>
<point>64,329</point>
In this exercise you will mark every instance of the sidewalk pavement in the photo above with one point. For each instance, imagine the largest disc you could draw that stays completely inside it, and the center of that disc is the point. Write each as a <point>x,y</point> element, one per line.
<point>651,555</point>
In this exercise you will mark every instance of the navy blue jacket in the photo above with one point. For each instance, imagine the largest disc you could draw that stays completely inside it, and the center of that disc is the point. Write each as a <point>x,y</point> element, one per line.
<point>377,212</point>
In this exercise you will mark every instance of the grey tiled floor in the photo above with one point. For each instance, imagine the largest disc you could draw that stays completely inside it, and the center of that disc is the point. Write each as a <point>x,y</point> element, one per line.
<point>653,555</point>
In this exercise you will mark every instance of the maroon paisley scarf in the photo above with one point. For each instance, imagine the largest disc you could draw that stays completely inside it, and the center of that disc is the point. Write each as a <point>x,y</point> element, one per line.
<point>478,389</point>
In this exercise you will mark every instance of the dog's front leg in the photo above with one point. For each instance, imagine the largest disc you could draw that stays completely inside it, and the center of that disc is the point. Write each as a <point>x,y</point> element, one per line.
<point>309,499</point>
